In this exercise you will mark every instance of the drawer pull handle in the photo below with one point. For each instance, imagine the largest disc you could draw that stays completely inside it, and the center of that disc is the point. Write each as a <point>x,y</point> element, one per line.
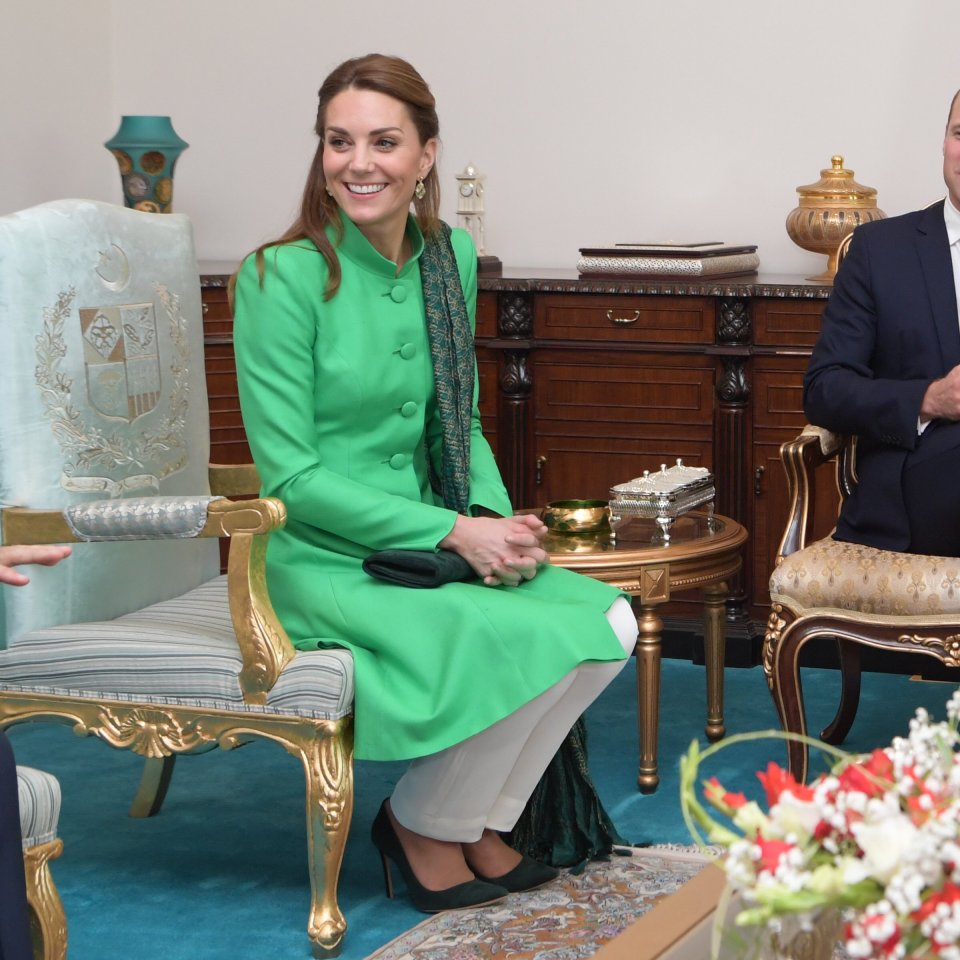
<point>205,308</point>
<point>623,321</point>
<point>757,481</point>
<point>541,461</point>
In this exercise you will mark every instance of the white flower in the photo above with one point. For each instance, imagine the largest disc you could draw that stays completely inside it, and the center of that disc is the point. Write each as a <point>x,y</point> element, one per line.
<point>889,827</point>
<point>885,844</point>
<point>853,869</point>
<point>792,815</point>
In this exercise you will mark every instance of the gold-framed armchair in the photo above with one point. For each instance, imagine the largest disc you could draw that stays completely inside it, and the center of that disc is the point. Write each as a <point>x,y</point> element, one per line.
<point>862,596</point>
<point>38,794</point>
<point>104,443</point>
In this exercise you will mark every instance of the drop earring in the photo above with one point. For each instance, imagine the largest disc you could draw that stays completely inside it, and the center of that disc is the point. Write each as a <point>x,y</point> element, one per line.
<point>419,191</point>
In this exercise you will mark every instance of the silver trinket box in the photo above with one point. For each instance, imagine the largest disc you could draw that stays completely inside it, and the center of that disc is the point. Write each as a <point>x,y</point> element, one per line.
<point>662,496</point>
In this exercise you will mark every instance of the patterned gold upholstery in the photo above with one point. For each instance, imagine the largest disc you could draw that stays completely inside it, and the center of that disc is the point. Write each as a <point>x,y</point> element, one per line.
<point>859,595</point>
<point>850,576</point>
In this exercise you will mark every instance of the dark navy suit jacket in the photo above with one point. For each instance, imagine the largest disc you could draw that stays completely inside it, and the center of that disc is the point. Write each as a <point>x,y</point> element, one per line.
<point>15,943</point>
<point>889,329</point>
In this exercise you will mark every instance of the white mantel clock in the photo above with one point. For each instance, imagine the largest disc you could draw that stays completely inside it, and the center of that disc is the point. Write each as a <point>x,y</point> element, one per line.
<point>470,214</point>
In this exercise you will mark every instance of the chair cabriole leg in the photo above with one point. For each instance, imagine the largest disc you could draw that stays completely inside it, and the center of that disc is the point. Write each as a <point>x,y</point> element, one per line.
<point>154,783</point>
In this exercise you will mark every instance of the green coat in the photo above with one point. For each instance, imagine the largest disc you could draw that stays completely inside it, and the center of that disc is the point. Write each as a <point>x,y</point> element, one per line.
<point>340,413</point>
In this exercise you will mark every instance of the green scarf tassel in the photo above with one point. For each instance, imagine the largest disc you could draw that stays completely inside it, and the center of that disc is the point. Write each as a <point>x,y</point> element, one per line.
<point>564,822</point>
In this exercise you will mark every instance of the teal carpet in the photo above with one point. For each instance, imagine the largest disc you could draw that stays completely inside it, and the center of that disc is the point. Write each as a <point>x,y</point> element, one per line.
<point>220,874</point>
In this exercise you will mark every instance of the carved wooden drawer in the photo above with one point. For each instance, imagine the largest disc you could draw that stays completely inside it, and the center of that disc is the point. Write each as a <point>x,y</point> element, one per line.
<point>615,318</point>
<point>601,418</point>
<point>217,320</point>
<point>486,315</point>
<point>228,440</point>
<point>778,323</point>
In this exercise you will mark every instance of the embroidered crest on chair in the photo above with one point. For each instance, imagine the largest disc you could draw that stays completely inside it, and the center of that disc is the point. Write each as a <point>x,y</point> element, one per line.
<point>124,385</point>
<point>121,359</point>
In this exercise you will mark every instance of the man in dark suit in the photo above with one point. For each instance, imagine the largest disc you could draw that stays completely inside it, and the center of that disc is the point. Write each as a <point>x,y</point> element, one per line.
<point>14,929</point>
<point>886,367</point>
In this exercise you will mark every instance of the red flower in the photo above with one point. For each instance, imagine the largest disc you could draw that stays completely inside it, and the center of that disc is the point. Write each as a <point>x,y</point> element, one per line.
<point>949,894</point>
<point>871,927</point>
<point>871,777</point>
<point>721,797</point>
<point>776,780</point>
<point>771,851</point>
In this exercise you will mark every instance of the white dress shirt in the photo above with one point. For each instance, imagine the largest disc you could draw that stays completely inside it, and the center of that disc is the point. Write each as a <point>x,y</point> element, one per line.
<point>951,217</point>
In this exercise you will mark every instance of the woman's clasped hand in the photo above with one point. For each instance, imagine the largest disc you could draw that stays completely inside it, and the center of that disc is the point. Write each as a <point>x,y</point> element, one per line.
<point>502,550</point>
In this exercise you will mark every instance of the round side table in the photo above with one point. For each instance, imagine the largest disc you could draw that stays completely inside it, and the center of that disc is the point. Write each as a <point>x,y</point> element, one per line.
<point>703,553</point>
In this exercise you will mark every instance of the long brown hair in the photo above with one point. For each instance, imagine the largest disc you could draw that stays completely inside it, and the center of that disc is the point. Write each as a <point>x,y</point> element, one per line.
<point>382,74</point>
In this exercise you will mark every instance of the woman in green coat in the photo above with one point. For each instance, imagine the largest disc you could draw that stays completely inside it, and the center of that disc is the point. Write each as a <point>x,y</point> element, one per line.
<point>354,348</point>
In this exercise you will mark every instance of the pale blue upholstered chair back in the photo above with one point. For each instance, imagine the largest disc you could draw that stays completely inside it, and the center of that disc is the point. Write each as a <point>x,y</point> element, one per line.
<point>104,435</point>
<point>102,394</point>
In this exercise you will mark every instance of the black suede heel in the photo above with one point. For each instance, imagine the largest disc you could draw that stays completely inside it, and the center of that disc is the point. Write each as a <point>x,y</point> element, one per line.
<point>526,875</point>
<point>472,893</point>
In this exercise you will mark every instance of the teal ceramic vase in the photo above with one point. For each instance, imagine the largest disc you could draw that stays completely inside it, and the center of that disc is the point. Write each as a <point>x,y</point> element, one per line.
<point>146,150</point>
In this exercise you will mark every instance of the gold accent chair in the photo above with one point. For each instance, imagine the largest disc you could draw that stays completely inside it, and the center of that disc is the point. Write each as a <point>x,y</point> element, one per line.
<point>39,799</point>
<point>860,595</point>
<point>104,443</point>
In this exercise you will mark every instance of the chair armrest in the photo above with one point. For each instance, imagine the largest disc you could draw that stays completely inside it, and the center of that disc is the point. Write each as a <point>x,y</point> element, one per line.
<point>801,457</point>
<point>264,645</point>
<point>140,518</point>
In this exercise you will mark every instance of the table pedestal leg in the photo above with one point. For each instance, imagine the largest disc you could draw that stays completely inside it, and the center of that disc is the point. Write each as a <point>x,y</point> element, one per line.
<point>714,640</point>
<point>648,696</point>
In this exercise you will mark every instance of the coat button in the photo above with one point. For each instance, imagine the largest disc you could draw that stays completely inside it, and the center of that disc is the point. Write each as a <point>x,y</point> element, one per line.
<point>408,409</point>
<point>398,461</point>
<point>398,294</point>
<point>407,351</point>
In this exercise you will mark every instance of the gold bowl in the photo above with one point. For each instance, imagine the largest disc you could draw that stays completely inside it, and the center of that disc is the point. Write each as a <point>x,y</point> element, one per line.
<point>577,516</point>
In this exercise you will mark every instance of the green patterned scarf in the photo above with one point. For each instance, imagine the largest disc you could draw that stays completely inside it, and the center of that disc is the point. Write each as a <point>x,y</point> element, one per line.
<point>452,351</point>
<point>564,822</point>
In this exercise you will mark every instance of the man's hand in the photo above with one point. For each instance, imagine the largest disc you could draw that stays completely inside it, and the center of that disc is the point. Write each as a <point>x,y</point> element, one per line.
<point>942,399</point>
<point>501,550</point>
<point>44,554</point>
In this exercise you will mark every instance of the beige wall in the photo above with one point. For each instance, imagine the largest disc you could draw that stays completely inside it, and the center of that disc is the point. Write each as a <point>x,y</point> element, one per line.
<point>56,109</point>
<point>617,120</point>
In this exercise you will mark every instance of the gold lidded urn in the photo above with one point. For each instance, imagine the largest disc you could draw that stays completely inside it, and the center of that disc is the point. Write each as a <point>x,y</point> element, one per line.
<point>830,210</point>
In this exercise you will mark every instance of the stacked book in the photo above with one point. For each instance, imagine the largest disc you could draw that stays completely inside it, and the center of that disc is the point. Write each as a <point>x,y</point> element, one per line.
<point>669,260</point>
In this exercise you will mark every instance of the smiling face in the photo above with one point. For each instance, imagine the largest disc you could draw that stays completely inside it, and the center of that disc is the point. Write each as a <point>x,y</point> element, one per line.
<point>372,157</point>
<point>951,153</point>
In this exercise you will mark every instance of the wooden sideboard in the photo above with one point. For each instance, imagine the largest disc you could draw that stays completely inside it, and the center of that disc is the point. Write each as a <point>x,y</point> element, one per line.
<point>587,383</point>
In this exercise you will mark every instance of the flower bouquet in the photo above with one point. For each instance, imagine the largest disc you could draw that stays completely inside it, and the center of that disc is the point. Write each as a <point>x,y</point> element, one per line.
<point>876,839</point>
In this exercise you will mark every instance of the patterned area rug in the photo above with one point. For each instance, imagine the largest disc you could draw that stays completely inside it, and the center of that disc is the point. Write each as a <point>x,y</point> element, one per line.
<point>569,918</point>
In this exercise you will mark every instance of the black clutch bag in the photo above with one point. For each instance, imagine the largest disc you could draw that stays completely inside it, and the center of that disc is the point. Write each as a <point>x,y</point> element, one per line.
<point>418,568</point>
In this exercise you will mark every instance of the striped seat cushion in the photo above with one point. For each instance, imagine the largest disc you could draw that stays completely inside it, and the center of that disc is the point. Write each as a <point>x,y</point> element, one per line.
<point>180,652</point>
<point>39,795</point>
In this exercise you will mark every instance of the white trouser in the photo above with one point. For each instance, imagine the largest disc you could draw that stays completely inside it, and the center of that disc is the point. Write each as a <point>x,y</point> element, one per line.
<point>485,781</point>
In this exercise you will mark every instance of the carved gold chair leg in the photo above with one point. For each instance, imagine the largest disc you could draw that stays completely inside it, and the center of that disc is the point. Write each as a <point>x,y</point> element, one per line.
<point>154,783</point>
<point>47,920</point>
<point>838,728</point>
<point>328,770</point>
